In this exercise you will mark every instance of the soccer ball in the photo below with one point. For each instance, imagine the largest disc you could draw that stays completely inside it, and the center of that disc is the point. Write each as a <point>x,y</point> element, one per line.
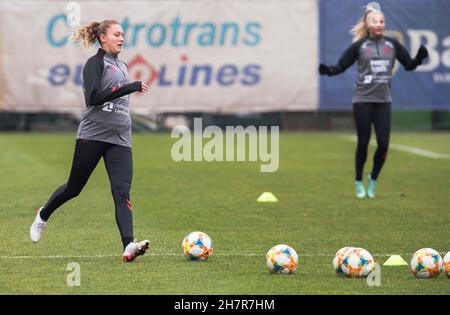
<point>197,246</point>
<point>446,264</point>
<point>338,258</point>
<point>282,259</point>
<point>426,263</point>
<point>357,263</point>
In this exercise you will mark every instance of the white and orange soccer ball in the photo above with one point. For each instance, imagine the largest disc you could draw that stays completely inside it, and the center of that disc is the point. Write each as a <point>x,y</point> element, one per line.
<point>357,263</point>
<point>426,263</point>
<point>282,259</point>
<point>446,264</point>
<point>197,246</point>
<point>339,258</point>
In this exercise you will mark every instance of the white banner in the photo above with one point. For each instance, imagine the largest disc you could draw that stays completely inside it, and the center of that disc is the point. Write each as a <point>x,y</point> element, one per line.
<point>209,56</point>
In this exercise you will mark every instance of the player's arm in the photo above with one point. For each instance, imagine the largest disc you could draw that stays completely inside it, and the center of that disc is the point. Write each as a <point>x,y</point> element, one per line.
<point>92,74</point>
<point>347,59</point>
<point>405,59</point>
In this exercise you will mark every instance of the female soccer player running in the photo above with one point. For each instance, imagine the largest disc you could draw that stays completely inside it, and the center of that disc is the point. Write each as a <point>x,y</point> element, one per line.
<point>105,131</point>
<point>376,55</point>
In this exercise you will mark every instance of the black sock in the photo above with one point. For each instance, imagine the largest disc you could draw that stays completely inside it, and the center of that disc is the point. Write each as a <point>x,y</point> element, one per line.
<point>126,241</point>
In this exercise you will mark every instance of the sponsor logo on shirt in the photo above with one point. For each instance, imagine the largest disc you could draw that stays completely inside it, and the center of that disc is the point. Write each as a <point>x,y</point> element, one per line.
<point>108,107</point>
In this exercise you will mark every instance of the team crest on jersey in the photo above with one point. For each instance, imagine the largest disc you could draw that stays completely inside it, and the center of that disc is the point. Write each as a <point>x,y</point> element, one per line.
<point>113,68</point>
<point>388,48</point>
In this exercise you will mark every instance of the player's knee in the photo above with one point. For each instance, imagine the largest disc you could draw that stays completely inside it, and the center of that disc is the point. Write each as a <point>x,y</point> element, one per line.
<point>383,147</point>
<point>73,192</point>
<point>121,191</point>
<point>363,142</point>
<point>383,150</point>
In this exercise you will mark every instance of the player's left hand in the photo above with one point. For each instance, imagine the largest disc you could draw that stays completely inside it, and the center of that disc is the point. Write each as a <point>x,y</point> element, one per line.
<point>323,69</point>
<point>144,87</point>
<point>422,53</point>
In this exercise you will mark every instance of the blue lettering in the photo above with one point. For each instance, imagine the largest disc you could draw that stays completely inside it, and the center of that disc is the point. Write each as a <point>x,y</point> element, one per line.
<point>161,80</point>
<point>125,25</point>
<point>187,30</point>
<point>177,33</point>
<point>181,75</point>
<point>207,38</point>
<point>207,69</point>
<point>227,74</point>
<point>58,74</point>
<point>251,73</point>
<point>136,29</point>
<point>162,36</point>
<point>235,28</point>
<point>78,79</point>
<point>50,30</point>
<point>252,29</point>
<point>175,27</point>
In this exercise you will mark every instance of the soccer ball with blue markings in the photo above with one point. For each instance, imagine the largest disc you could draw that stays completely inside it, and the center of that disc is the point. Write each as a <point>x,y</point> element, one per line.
<point>426,263</point>
<point>339,258</point>
<point>282,259</point>
<point>197,246</point>
<point>357,263</point>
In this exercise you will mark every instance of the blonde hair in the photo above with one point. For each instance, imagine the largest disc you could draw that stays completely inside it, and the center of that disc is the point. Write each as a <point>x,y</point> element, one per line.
<point>361,30</point>
<point>91,32</point>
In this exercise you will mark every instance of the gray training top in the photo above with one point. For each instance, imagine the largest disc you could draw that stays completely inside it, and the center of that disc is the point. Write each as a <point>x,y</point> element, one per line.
<point>106,88</point>
<point>375,58</point>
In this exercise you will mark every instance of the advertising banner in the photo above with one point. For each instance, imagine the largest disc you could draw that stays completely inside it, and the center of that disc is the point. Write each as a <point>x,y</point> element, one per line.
<point>411,22</point>
<point>209,56</point>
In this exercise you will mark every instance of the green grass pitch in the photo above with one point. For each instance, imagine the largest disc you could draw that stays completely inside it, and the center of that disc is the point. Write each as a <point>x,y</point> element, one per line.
<point>316,214</point>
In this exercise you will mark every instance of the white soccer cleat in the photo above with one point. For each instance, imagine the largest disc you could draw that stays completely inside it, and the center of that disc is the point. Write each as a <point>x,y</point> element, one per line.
<point>360,190</point>
<point>372,187</point>
<point>38,227</point>
<point>135,249</point>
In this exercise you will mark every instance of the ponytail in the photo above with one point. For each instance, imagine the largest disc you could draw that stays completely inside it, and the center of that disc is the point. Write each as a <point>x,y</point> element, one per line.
<point>90,33</point>
<point>87,34</point>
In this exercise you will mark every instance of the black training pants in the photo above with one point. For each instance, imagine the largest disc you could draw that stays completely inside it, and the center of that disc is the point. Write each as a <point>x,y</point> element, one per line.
<point>366,114</point>
<point>118,162</point>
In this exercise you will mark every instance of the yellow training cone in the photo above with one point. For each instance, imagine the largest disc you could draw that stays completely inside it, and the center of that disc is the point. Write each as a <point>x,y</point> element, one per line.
<point>267,197</point>
<point>395,260</point>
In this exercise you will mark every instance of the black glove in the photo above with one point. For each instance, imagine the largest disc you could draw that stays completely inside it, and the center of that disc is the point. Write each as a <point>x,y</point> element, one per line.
<point>323,69</point>
<point>422,53</point>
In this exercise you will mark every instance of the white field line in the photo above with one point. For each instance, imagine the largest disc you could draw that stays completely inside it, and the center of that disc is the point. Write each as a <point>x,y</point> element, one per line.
<point>173,254</point>
<point>409,149</point>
